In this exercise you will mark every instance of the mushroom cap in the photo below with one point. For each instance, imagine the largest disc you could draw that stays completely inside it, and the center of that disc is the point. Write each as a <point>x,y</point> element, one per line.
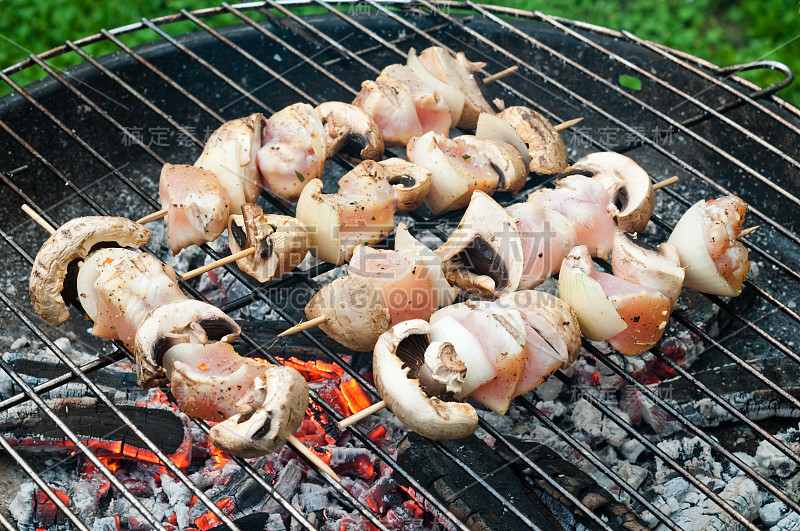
<point>74,241</point>
<point>356,314</point>
<point>269,413</point>
<point>484,254</point>
<point>431,417</point>
<point>552,318</point>
<point>547,150</point>
<point>411,182</point>
<point>281,243</point>
<point>504,159</point>
<point>628,185</point>
<point>185,321</point>
<point>657,268</point>
<point>351,131</point>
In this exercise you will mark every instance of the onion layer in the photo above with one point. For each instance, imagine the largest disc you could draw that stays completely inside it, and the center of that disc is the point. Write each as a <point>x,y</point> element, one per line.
<point>597,316</point>
<point>689,237</point>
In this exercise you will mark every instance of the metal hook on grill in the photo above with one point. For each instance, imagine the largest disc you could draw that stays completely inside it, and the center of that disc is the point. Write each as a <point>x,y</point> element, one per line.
<point>729,71</point>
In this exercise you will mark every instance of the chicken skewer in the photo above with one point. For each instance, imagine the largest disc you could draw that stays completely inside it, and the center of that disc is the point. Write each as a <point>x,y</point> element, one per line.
<point>491,221</point>
<point>163,212</point>
<point>646,282</point>
<point>489,351</point>
<point>162,314</point>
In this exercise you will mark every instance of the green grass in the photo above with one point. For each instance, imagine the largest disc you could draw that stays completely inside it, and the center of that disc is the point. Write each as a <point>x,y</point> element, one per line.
<point>723,32</point>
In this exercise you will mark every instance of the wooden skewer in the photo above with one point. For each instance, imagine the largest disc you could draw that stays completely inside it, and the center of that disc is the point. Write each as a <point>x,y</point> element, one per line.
<point>217,263</point>
<point>501,74</point>
<point>152,217</point>
<point>567,124</point>
<point>745,232</point>
<point>364,413</point>
<point>316,321</point>
<point>665,182</point>
<point>38,219</point>
<point>296,443</point>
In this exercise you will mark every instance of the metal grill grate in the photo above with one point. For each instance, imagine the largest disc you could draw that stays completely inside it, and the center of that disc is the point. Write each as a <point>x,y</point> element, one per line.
<point>576,68</point>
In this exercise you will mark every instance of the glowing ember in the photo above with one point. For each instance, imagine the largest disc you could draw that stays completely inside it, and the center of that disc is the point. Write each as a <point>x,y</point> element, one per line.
<point>356,398</point>
<point>46,511</point>
<point>315,371</point>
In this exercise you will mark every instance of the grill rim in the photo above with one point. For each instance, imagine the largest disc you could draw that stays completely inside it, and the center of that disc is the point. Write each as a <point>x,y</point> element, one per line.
<point>207,12</point>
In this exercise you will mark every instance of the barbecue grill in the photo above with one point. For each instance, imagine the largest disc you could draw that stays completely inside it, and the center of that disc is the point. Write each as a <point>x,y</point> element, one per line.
<point>91,140</point>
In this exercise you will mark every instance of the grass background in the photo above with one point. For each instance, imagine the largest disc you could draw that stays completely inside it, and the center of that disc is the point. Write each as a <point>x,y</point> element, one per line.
<point>722,31</point>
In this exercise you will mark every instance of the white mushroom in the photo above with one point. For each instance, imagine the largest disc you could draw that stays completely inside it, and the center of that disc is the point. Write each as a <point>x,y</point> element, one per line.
<point>484,254</point>
<point>628,185</point>
<point>420,395</point>
<point>74,241</point>
<point>271,411</point>
<point>411,182</point>
<point>657,268</point>
<point>356,315</point>
<point>185,321</point>
<point>230,154</point>
<point>281,242</point>
<point>350,131</point>
<point>545,147</point>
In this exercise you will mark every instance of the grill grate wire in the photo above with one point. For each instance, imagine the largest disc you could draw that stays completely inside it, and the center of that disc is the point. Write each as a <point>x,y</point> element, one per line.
<point>489,13</point>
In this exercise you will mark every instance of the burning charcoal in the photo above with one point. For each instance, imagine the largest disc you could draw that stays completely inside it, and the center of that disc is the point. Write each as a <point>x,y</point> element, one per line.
<point>357,462</point>
<point>549,389</point>
<point>179,497</point>
<point>29,428</point>
<point>742,493</point>
<point>288,481</point>
<point>693,453</point>
<point>769,460</point>
<point>314,497</point>
<point>109,523</point>
<point>632,449</point>
<point>772,513</point>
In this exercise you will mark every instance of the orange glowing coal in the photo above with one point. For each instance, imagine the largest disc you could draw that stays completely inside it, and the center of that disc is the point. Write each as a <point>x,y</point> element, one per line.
<point>315,370</point>
<point>356,397</point>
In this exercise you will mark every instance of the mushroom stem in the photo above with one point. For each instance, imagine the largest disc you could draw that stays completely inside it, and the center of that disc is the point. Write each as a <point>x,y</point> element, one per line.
<point>217,263</point>
<point>38,219</point>
<point>665,182</point>
<point>301,448</point>
<point>364,413</point>
<point>567,124</point>
<point>316,321</point>
<point>501,74</point>
<point>152,217</point>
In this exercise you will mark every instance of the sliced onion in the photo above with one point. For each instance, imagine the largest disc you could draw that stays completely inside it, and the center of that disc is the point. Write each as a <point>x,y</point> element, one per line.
<point>689,237</point>
<point>322,221</point>
<point>469,350</point>
<point>447,186</point>
<point>491,126</point>
<point>444,293</point>
<point>452,96</point>
<point>597,316</point>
